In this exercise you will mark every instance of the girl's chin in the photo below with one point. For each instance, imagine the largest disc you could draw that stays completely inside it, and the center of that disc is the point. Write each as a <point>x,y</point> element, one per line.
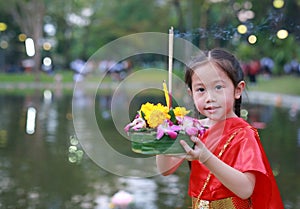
<point>214,117</point>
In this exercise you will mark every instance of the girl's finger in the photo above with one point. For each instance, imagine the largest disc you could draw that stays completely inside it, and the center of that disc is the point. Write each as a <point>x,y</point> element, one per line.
<point>185,146</point>
<point>194,139</point>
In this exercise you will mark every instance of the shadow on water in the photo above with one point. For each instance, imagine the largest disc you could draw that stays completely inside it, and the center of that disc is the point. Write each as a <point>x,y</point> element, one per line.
<point>48,168</point>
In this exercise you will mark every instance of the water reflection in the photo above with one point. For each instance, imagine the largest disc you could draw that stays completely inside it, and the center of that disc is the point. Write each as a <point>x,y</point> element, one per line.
<point>47,169</point>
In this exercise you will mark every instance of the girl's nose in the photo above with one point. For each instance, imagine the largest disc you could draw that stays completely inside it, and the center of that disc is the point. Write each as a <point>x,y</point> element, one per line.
<point>210,97</point>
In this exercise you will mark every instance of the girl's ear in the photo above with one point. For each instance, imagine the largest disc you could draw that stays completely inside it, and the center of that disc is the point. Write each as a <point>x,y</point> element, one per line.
<point>189,91</point>
<point>239,89</point>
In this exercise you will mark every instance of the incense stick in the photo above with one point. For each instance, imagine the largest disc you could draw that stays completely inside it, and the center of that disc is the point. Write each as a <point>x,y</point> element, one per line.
<point>171,36</point>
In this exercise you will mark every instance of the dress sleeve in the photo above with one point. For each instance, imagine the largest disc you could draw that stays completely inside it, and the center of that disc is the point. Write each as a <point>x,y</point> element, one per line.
<point>247,155</point>
<point>246,152</point>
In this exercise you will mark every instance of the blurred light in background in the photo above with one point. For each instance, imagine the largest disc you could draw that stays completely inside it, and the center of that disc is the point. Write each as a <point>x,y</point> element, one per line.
<point>252,39</point>
<point>50,29</point>
<point>242,29</point>
<point>22,37</point>
<point>30,122</point>
<point>47,64</point>
<point>3,26</point>
<point>47,46</point>
<point>4,44</point>
<point>29,45</point>
<point>244,11</point>
<point>47,61</point>
<point>47,96</point>
<point>278,4</point>
<point>282,34</point>
<point>244,114</point>
<point>75,153</point>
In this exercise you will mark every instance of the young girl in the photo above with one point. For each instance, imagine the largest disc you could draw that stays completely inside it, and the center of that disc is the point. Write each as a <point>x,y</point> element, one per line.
<point>229,168</point>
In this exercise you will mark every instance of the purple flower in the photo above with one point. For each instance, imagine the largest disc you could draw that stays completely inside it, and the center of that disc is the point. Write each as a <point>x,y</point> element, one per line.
<point>168,128</point>
<point>136,124</point>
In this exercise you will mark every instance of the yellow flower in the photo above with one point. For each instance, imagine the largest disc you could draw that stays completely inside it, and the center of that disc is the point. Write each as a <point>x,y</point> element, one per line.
<point>162,108</point>
<point>154,114</point>
<point>156,118</point>
<point>146,108</point>
<point>180,111</point>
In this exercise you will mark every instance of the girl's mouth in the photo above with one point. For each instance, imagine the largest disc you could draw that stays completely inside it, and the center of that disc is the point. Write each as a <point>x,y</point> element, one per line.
<point>211,109</point>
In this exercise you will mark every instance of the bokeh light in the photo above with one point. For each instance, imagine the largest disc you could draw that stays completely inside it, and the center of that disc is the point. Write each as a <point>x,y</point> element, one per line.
<point>4,44</point>
<point>3,26</point>
<point>282,34</point>
<point>252,39</point>
<point>31,120</point>
<point>244,113</point>
<point>47,61</point>
<point>29,44</point>
<point>22,37</point>
<point>47,96</point>
<point>47,46</point>
<point>75,153</point>
<point>278,4</point>
<point>242,29</point>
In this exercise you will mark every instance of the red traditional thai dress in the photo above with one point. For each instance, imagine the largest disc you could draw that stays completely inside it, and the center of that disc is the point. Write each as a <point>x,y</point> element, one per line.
<point>244,153</point>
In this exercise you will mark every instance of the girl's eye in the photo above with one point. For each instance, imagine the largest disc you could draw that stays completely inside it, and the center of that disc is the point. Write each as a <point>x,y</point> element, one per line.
<point>200,89</point>
<point>218,87</point>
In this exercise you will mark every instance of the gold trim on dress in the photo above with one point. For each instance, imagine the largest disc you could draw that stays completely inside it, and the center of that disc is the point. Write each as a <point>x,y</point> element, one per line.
<point>226,203</point>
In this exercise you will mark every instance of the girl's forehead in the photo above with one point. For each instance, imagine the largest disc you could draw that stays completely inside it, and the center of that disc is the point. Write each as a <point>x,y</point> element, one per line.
<point>209,71</point>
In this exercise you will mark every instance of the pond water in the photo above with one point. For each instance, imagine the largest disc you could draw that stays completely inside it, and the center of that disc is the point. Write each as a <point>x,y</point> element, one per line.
<point>42,165</point>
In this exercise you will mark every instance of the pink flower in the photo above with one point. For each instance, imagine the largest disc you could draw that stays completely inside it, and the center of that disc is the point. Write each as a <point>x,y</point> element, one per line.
<point>136,124</point>
<point>168,128</point>
<point>122,199</point>
<point>191,126</point>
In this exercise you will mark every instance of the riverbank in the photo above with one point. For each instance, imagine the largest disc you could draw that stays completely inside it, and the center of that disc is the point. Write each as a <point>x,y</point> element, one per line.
<point>250,96</point>
<point>279,91</point>
<point>285,84</point>
<point>276,99</point>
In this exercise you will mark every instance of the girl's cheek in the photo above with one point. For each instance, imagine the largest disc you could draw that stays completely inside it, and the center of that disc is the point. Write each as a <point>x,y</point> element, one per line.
<point>199,102</point>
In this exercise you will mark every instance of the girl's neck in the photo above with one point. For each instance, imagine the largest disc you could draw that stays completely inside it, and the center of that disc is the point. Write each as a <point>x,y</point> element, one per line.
<point>207,122</point>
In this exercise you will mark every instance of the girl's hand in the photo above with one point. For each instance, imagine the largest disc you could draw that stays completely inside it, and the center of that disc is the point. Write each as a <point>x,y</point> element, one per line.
<point>200,152</point>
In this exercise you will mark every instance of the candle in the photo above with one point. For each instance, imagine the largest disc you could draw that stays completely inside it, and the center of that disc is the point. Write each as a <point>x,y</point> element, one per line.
<point>167,96</point>
<point>171,36</point>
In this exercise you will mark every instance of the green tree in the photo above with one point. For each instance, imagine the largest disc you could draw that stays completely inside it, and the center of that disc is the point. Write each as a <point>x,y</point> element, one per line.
<point>28,15</point>
<point>72,20</point>
<point>79,36</point>
<point>118,19</point>
<point>83,26</point>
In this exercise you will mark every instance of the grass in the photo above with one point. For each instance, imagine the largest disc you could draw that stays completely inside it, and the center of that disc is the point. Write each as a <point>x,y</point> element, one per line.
<point>67,76</point>
<point>286,84</point>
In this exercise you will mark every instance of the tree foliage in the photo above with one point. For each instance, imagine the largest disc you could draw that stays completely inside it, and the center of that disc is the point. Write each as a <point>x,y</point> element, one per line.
<point>83,26</point>
<point>28,16</point>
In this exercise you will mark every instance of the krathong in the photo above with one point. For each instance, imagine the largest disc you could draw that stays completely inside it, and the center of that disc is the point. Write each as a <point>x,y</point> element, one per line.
<point>156,127</point>
<point>164,121</point>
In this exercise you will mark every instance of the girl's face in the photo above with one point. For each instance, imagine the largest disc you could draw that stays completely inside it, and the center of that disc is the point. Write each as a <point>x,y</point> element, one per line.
<point>214,93</point>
